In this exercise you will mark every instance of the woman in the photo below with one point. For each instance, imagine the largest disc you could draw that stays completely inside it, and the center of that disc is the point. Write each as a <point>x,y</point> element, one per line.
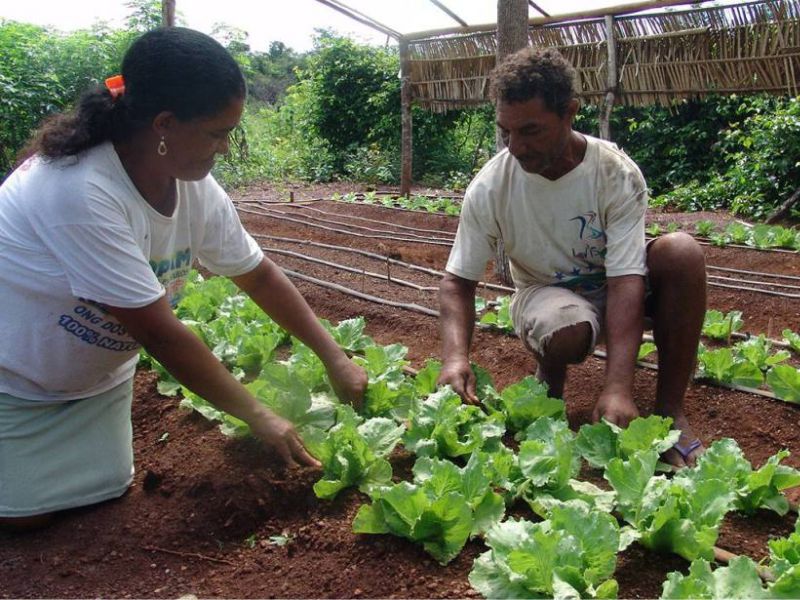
<point>98,230</point>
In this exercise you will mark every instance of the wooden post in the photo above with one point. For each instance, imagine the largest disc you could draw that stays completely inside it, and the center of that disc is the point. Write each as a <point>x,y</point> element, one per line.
<point>512,35</point>
<point>406,143</point>
<point>168,13</point>
<point>611,80</point>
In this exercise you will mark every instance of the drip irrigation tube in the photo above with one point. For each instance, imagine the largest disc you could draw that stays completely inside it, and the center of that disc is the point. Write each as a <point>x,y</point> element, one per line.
<point>757,273</point>
<point>272,212</point>
<point>440,242</point>
<point>345,231</point>
<point>280,202</point>
<point>351,292</point>
<point>780,285</point>
<point>417,229</point>
<point>381,257</point>
<point>703,242</point>
<point>387,277</point>
<point>749,289</point>
<point>397,194</point>
<point>401,209</point>
<point>435,313</point>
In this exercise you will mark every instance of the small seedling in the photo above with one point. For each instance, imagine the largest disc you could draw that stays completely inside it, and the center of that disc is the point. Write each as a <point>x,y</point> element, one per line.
<point>280,540</point>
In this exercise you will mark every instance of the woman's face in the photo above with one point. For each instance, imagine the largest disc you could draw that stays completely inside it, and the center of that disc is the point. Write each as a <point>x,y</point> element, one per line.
<point>193,145</point>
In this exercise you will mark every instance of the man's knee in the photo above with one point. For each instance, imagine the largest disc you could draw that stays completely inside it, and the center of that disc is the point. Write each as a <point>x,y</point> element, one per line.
<point>568,345</point>
<point>675,254</point>
<point>22,524</point>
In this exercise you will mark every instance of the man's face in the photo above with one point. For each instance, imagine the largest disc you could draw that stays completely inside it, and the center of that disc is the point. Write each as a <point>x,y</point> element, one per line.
<point>534,135</point>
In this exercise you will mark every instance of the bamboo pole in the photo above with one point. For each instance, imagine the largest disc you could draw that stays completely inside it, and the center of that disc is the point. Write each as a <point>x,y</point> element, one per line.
<point>612,79</point>
<point>168,13</point>
<point>600,12</point>
<point>406,122</point>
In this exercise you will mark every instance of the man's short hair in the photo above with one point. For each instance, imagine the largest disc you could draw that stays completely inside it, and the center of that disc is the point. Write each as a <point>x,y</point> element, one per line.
<point>535,73</point>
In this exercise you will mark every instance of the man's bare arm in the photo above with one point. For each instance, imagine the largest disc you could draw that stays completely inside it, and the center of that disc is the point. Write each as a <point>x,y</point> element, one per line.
<point>456,323</point>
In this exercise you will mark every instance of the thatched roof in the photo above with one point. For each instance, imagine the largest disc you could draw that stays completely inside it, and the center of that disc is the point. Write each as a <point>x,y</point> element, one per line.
<point>673,54</point>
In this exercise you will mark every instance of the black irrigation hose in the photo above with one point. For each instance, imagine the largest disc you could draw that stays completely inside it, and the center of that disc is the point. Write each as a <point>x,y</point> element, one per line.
<point>702,242</point>
<point>434,241</point>
<point>280,202</point>
<point>438,213</point>
<point>417,229</point>
<point>397,194</point>
<point>756,273</point>
<point>735,280</point>
<point>351,292</point>
<point>757,290</point>
<point>309,219</point>
<point>434,313</point>
<point>387,277</point>
<point>381,257</point>
<point>345,231</point>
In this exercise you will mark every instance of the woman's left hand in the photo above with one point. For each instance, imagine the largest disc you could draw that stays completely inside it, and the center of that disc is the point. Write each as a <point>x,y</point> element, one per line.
<point>349,381</point>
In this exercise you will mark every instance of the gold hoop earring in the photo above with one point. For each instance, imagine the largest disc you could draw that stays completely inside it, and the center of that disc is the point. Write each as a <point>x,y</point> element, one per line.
<point>162,147</point>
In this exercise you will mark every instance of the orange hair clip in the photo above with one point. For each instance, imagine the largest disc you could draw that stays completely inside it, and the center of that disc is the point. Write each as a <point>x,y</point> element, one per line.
<point>115,85</point>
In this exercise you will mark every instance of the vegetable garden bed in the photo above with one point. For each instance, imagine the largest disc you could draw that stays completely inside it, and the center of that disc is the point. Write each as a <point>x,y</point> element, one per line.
<point>216,516</point>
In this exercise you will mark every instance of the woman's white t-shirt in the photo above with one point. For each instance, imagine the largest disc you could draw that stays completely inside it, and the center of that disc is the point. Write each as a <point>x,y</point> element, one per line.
<point>76,236</point>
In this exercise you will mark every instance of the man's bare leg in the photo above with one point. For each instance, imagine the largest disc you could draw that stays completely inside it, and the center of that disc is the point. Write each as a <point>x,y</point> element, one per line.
<point>676,266</point>
<point>567,346</point>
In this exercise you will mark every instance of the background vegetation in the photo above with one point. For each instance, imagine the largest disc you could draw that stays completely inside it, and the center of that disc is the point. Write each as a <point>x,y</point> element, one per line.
<point>334,114</point>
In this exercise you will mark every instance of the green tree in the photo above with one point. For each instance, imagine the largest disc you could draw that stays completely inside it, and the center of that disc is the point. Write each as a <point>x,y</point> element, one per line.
<point>145,15</point>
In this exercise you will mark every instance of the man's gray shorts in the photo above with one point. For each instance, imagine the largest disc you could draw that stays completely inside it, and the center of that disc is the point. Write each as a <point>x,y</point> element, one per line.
<point>538,312</point>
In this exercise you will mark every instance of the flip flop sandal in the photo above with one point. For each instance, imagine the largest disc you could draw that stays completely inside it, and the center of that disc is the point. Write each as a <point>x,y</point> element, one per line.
<point>685,451</point>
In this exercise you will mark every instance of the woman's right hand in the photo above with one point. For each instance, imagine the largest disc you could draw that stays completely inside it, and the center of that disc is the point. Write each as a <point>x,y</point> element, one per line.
<point>280,435</point>
<point>458,374</point>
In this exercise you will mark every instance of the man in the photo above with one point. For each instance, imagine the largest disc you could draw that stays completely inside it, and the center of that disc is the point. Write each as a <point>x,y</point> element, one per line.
<point>570,210</point>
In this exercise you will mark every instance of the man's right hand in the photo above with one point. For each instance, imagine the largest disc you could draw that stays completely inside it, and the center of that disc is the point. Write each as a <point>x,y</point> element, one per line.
<point>616,408</point>
<point>459,375</point>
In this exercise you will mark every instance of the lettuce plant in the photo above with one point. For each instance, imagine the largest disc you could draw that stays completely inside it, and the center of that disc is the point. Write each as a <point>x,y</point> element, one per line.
<point>441,509</point>
<point>500,317</point>
<point>793,339</point>
<point>548,464</point>
<point>784,381</point>
<point>601,442</point>
<point>741,578</point>
<point>724,366</point>
<point>681,515</point>
<point>442,425</point>
<point>719,326</point>
<point>524,402</point>
<point>754,489</point>
<point>353,454</point>
<point>573,554</point>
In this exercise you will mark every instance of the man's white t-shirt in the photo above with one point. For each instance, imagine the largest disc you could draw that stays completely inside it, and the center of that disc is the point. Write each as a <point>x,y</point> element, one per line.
<point>573,232</point>
<point>75,236</point>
